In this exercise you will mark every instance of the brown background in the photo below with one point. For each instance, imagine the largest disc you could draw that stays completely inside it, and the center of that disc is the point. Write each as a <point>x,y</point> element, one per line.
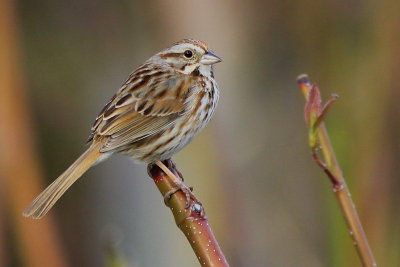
<point>269,205</point>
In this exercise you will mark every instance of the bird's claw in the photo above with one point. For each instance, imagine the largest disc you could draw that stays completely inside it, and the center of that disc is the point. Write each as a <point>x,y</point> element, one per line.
<point>187,190</point>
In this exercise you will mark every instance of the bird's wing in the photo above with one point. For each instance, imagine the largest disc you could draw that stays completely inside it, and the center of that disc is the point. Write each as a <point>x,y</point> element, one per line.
<point>147,104</point>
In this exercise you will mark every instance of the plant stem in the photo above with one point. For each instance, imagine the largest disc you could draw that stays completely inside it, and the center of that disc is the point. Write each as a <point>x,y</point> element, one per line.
<point>333,170</point>
<point>191,219</point>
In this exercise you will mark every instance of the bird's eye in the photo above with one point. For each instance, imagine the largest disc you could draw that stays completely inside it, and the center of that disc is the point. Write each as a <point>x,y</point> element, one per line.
<point>188,54</point>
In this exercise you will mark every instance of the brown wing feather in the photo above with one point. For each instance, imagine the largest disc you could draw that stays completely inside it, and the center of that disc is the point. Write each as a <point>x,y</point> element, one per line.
<point>138,112</point>
<point>142,129</point>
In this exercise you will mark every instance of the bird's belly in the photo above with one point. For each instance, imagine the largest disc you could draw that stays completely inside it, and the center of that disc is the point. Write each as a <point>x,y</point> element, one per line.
<point>164,145</point>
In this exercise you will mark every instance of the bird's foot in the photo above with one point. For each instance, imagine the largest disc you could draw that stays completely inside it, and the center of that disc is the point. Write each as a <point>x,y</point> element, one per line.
<point>169,168</point>
<point>187,190</point>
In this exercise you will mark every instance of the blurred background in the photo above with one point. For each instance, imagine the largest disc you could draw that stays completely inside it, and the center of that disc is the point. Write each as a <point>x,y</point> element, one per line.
<point>268,203</point>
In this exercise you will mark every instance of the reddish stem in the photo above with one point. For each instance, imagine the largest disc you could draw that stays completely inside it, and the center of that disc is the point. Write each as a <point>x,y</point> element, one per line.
<point>192,220</point>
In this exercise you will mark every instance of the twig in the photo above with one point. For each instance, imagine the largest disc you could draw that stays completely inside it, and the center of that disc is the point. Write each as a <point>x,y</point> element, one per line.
<point>191,219</point>
<point>319,140</point>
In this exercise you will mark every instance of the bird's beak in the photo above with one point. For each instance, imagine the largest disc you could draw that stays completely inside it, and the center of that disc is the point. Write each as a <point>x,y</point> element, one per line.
<point>210,58</point>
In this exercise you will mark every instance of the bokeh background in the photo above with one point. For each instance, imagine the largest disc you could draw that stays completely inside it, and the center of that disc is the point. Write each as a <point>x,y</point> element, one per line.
<point>269,205</point>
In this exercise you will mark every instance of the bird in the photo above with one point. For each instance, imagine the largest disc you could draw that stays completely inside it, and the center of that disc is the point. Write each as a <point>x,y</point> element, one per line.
<point>159,109</point>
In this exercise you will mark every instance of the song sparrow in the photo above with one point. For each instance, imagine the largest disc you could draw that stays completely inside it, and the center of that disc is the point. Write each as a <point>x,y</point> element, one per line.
<point>159,109</point>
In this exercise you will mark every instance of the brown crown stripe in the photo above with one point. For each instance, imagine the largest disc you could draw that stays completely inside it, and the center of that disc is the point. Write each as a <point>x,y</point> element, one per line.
<point>193,42</point>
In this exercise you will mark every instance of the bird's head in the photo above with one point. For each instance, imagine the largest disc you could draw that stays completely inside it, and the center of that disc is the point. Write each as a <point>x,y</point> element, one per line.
<point>189,55</point>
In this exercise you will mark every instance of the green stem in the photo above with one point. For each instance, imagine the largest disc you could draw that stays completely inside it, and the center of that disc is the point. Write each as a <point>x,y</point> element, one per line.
<point>340,188</point>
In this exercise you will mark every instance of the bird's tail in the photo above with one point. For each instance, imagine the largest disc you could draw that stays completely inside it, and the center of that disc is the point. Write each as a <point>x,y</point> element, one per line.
<point>43,203</point>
